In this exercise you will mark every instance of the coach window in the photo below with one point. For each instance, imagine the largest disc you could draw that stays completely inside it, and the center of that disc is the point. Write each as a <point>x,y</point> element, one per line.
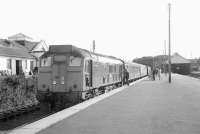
<point>115,68</point>
<point>87,66</point>
<point>110,69</point>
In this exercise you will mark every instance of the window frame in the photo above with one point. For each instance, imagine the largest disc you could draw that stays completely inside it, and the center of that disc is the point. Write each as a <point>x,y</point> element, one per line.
<point>26,64</point>
<point>42,64</point>
<point>9,63</point>
<point>78,57</point>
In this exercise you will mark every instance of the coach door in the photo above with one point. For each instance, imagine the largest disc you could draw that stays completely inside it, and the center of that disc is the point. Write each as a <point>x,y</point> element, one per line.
<point>88,71</point>
<point>59,73</point>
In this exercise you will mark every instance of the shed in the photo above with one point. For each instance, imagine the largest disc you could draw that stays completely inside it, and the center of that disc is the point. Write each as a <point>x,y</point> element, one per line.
<point>179,64</point>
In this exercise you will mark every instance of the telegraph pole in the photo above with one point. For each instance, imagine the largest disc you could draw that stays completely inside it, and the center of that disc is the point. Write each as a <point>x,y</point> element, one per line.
<point>165,54</point>
<point>169,63</point>
<point>164,59</point>
<point>93,46</point>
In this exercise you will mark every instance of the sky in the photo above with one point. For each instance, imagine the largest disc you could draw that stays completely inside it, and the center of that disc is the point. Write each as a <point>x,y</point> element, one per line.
<point>122,28</point>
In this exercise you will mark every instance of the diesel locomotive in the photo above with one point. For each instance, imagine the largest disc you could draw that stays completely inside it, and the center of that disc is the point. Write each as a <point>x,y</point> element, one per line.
<point>69,74</point>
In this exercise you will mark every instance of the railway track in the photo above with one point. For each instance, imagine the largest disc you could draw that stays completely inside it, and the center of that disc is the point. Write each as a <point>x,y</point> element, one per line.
<point>25,117</point>
<point>29,116</point>
<point>195,75</point>
<point>14,119</point>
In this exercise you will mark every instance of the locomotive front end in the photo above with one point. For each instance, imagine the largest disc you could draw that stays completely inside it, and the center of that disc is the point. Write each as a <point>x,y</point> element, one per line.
<point>60,76</point>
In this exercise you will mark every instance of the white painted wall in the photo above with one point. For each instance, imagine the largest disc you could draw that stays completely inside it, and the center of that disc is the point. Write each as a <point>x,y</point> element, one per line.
<point>13,66</point>
<point>3,64</point>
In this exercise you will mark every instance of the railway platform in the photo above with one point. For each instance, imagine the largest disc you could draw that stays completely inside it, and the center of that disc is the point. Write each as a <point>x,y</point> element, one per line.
<point>148,107</point>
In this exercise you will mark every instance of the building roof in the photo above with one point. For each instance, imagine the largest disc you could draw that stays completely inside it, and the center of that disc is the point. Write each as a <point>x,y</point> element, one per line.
<point>13,49</point>
<point>178,59</point>
<point>194,60</point>
<point>19,36</point>
<point>28,44</point>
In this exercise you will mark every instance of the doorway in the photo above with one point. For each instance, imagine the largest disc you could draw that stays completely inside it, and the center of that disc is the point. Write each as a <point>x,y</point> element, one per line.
<point>18,67</point>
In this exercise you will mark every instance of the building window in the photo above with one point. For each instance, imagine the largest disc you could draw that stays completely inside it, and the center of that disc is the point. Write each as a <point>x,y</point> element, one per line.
<point>31,65</point>
<point>9,63</point>
<point>43,49</point>
<point>26,64</point>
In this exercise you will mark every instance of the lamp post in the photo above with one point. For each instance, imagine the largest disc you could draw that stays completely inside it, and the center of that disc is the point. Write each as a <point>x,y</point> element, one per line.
<point>169,63</point>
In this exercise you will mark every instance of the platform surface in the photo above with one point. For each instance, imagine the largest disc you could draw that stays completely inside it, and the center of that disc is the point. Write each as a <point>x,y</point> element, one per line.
<point>149,107</point>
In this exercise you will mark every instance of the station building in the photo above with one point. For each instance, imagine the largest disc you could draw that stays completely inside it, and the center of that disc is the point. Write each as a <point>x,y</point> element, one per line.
<point>180,65</point>
<point>20,54</point>
<point>195,65</point>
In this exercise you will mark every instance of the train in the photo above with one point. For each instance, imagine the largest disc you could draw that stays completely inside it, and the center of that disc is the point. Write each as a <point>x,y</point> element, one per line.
<point>69,74</point>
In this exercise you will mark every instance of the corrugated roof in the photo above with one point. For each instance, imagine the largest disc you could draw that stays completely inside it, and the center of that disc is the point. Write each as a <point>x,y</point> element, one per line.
<point>178,59</point>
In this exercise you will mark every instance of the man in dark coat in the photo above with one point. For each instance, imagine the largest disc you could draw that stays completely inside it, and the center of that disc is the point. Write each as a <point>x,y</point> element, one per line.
<point>126,73</point>
<point>154,73</point>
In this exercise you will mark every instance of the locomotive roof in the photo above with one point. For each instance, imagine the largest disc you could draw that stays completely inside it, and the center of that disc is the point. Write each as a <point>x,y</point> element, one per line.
<point>132,63</point>
<point>63,49</point>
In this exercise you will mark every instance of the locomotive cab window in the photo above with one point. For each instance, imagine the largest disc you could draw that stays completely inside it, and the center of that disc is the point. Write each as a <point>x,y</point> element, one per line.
<point>59,58</point>
<point>74,61</point>
<point>46,62</point>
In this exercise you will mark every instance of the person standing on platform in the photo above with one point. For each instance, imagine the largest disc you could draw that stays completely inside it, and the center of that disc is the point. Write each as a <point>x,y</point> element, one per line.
<point>159,73</point>
<point>154,73</point>
<point>127,77</point>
